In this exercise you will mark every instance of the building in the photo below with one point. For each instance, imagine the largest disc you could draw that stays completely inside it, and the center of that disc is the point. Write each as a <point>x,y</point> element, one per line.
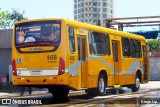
<point>5,53</point>
<point>92,11</point>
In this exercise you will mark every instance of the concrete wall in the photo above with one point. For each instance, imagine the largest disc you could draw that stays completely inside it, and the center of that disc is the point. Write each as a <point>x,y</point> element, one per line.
<point>5,61</point>
<point>5,51</point>
<point>154,68</point>
<point>6,38</point>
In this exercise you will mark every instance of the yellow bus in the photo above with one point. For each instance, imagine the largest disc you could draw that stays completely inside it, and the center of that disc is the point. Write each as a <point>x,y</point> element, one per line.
<point>63,55</point>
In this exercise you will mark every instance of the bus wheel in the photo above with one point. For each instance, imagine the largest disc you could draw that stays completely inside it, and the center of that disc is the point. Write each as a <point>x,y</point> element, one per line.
<point>59,92</point>
<point>135,87</point>
<point>101,85</point>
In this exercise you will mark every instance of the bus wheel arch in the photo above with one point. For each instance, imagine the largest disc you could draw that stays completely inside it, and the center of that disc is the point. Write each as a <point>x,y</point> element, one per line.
<point>102,82</point>
<point>139,73</point>
<point>135,87</point>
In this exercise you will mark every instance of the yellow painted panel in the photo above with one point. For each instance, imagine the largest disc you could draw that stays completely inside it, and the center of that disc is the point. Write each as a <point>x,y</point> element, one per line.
<point>130,79</point>
<point>92,81</point>
<point>73,80</point>
<point>32,80</point>
<point>110,80</point>
<point>62,79</point>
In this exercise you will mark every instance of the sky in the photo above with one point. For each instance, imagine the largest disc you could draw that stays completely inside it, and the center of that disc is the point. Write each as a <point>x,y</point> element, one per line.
<point>64,8</point>
<point>133,8</point>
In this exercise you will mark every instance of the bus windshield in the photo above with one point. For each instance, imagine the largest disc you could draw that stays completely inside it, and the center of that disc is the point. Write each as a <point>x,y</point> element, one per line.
<point>39,33</point>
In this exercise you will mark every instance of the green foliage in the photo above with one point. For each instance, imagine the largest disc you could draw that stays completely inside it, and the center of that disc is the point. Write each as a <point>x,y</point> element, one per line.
<point>154,44</point>
<point>17,16</point>
<point>7,18</point>
<point>4,19</point>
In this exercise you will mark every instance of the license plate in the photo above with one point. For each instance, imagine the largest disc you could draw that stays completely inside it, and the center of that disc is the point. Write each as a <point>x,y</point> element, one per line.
<point>36,72</point>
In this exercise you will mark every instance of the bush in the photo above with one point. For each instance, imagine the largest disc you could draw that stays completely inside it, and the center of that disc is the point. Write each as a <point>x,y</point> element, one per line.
<point>154,44</point>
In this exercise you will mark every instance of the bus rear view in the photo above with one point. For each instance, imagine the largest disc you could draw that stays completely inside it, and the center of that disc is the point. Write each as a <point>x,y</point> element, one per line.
<point>37,57</point>
<point>62,54</point>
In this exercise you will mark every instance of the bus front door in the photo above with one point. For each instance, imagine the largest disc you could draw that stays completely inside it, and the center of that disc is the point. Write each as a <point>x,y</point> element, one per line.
<point>81,42</point>
<point>116,61</point>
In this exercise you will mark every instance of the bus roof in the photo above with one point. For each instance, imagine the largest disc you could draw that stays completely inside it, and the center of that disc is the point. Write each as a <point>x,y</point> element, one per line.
<point>103,29</point>
<point>90,27</point>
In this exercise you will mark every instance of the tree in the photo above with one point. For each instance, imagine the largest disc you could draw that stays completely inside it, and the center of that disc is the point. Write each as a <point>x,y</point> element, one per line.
<point>17,16</point>
<point>4,19</point>
<point>154,44</point>
<point>7,18</point>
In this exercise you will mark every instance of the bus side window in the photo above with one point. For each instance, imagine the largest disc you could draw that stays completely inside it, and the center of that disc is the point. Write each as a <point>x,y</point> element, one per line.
<point>108,51</point>
<point>125,47</point>
<point>97,43</point>
<point>90,38</point>
<point>71,39</point>
<point>135,48</point>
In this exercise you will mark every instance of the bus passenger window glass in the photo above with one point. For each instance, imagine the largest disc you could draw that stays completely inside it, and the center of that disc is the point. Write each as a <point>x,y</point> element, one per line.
<point>144,53</point>
<point>71,39</point>
<point>78,41</point>
<point>125,47</point>
<point>83,49</point>
<point>90,42</point>
<point>139,49</point>
<point>97,43</point>
<point>135,48</point>
<point>108,51</point>
<point>115,51</point>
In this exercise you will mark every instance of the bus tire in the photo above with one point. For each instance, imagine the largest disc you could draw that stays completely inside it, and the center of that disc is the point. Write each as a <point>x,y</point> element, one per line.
<point>135,87</point>
<point>101,85</point>
<point>59,92</point>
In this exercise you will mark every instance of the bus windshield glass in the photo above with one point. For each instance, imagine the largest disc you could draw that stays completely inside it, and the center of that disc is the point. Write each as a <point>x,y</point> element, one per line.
<point>38,33</point>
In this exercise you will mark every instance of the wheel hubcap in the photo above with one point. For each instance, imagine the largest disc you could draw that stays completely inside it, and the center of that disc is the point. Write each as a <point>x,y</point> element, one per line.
<point>101,85</point>
<point>137,82</point>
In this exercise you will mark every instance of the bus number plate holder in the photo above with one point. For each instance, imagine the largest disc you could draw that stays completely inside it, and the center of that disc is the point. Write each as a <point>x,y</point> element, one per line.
<point>36,72</point>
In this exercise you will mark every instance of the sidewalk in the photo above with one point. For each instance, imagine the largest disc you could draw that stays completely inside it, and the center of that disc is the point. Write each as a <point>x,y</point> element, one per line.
<point>152,85</point>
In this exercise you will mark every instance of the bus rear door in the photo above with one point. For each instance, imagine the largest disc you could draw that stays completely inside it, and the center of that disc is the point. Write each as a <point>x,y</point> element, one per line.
<point>81,42</point>
<point>117,62</point>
